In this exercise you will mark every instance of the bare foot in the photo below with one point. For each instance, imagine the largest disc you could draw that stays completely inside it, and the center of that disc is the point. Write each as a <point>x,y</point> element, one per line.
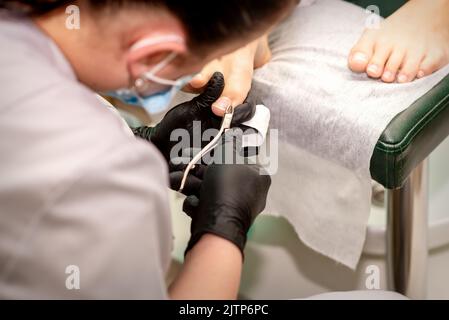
<point>263,53</point>
<point>237,68</point>
<point>412,43</point>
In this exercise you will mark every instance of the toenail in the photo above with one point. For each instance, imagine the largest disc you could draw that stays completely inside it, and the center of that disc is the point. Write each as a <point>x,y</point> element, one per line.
<point>360,57</point>
<point>421,74</point>
<point>402,78</point>
<point>222,104</point>
<point>372,68</point>
<point>388,75</point>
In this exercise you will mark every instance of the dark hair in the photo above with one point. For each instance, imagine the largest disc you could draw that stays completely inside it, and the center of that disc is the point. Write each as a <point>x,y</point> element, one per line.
<point>207,22</point>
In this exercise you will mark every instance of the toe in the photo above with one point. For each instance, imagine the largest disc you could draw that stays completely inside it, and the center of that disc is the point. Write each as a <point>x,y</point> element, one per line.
<point>377,63</point>
<point>431,63</point>
<point>361,53</point>
<point>410,67</point>
<point>392,66</point>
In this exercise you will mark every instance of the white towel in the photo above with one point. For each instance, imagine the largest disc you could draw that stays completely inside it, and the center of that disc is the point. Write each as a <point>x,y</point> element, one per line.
<point>329,120</point>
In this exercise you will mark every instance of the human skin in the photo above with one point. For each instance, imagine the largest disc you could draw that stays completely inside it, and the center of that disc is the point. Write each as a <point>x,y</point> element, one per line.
<point>212,271</point>
<point>238,68</point>
<point>100,55</point>
<point>412,43</point>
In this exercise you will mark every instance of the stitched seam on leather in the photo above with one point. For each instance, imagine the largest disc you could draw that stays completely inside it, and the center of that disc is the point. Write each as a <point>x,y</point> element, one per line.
<point>421,124</point>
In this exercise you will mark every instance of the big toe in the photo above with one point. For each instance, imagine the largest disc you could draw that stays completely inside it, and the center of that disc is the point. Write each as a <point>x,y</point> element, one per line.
<point>361,54</point>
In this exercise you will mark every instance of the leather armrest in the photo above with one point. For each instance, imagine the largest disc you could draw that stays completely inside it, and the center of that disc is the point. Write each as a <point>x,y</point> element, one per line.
<point>411,136</point>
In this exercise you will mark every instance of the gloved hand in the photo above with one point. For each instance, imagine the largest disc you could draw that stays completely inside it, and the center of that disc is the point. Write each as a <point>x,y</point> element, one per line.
<point>198,109</point>
<point>224,199</point>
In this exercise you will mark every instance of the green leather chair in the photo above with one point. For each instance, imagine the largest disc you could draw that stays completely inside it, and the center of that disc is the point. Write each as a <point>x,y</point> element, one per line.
<point>399,163</point>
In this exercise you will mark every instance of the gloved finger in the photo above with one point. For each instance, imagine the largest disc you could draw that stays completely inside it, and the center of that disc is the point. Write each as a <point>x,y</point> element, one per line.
<point>243,113</point>
<point>180,162</point>
<point>212,92</point>
<point>229,150</point>
<point>190,206</point>
<point>177,164</point>
<point>198,170</point>
<point>191,187</point>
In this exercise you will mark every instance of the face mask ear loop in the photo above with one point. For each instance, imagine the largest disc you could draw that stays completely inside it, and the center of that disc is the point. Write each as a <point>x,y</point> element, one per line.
<point>151,75</point>
<point>161,65</point>
<point>160,80</point>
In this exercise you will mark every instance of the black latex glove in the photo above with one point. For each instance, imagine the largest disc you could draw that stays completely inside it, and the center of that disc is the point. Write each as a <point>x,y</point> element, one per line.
<point>224,199</point>
<point>226,202</point>
<point>198,109</point>
<point>229,150</point>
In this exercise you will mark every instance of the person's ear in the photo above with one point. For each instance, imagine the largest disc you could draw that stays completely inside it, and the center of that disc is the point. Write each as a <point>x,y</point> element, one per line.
<point>149,50</point>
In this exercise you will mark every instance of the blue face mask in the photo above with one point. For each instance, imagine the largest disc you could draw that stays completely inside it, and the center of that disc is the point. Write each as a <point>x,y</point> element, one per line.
<point>156,103</point>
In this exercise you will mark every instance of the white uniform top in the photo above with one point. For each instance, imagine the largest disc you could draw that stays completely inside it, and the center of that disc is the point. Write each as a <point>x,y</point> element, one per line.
<point>75,188</point>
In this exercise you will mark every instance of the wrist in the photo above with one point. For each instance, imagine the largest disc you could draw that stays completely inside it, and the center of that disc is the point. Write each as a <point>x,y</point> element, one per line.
<point>226,224</point>
<point>213,243</point>
<point>143,132</point>
<point>211,270</point>
<point>238,239</point>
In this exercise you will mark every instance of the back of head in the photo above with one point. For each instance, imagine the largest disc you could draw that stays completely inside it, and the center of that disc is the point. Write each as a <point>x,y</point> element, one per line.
<point>207,22</point>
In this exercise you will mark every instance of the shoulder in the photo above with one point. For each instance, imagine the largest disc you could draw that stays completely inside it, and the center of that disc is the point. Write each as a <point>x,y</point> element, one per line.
<point>68,165</point>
